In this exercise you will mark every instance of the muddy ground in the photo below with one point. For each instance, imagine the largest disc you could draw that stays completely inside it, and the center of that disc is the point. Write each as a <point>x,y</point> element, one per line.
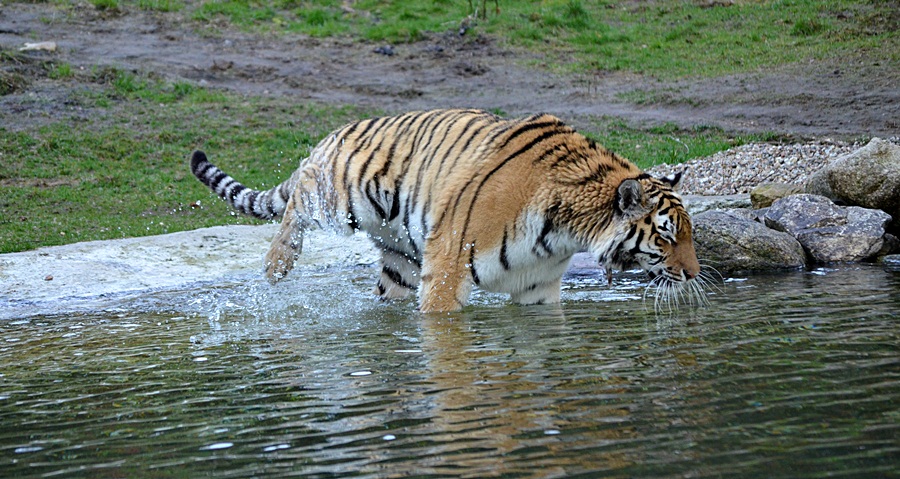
<point>837,99</point>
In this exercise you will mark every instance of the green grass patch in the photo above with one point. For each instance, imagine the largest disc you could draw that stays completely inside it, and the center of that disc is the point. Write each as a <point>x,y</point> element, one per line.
<point>126,172</point>
<point>60,71</point>
<point>650,145</point>
<point>669,39</point>
<point>105,4</point>
<point>161,5</point>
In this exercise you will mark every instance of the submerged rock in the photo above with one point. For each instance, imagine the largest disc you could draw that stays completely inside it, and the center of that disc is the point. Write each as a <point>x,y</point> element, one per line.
<point>730,240</point>
<point>828,232</point>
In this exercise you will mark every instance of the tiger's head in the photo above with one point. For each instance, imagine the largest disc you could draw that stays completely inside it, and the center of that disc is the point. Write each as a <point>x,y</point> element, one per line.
<point>653,230</point>
<point>625,218</point>
<point>658,233</point>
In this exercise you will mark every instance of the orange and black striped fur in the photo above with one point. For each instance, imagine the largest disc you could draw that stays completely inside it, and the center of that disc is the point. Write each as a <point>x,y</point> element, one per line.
<point>458,198</point>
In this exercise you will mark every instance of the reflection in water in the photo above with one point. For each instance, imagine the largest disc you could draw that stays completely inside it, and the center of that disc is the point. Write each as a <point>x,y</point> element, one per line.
<point>793,375</point>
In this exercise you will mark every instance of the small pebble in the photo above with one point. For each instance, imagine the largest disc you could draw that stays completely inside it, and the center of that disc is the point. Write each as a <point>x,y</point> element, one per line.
<point>386,50</point>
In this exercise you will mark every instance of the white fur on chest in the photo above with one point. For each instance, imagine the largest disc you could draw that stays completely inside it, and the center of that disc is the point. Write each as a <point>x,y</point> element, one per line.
<point>529,266</point>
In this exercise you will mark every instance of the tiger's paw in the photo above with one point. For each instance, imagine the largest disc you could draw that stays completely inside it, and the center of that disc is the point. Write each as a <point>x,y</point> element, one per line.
<point>441,296</point>
<point>541,293</point>
<point>278,264</point>
<point>391,292</point>
<point>439,305</point>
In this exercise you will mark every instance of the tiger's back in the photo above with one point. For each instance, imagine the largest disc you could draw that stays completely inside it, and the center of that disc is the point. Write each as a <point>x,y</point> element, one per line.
<point>456,198</point>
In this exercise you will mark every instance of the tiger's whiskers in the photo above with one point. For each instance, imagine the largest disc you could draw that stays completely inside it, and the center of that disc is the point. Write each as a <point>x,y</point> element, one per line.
<point>669,295</point>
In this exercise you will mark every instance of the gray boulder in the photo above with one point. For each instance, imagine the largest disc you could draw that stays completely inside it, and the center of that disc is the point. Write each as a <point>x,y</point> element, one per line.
<point>829,233</point>
<point>868,177</point>
<point>730,240</point>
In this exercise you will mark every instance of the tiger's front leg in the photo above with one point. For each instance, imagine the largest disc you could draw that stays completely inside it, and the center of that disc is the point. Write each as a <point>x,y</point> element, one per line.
<point>446,282</point>
<point>286,246</point>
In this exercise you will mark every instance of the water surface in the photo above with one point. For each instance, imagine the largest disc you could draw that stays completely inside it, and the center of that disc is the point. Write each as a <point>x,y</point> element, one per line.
<point>793,375</point>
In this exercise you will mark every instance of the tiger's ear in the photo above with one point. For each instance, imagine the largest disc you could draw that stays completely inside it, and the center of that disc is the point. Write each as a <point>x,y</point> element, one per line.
<point>674,180</point>
<point>630,198</point>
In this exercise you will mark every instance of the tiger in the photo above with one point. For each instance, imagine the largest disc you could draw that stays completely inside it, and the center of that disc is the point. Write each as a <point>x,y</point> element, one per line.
<point>459,198</point>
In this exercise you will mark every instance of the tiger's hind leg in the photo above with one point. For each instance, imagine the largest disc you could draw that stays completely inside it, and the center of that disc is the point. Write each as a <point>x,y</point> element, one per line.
<point>286,246</point>
<point>539,293</point>
<point>399,275</point>
<point>288,242</point>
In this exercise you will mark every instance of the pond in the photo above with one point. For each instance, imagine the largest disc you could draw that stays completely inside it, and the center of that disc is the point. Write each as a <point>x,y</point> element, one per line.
<point>791,375</point>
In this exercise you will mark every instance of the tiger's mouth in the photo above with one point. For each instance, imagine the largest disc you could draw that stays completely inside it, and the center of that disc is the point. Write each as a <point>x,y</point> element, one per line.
<point>663,274</point>
<point>671,292</point>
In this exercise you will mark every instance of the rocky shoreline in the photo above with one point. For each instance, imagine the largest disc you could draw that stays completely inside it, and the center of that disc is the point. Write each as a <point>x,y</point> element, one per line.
<point>740,169</point>
<point>768,207</point>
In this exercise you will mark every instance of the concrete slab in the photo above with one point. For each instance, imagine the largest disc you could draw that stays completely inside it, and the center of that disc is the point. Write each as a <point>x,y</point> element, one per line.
<point>45,280</point>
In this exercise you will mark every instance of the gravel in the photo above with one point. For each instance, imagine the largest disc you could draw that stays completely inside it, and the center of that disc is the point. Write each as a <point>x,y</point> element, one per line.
<point>739,169</point>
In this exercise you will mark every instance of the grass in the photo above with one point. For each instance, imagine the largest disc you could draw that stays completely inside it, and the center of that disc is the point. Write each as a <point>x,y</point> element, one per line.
<point>60,71</point>
<point>668,39</point>
<point>648,146</point>
<point>125,173</point>
<point>160,5</point>
<point>105,4</point>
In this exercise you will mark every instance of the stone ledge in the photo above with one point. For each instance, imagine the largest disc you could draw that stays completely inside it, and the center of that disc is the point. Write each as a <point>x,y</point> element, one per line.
<point>695,204</point>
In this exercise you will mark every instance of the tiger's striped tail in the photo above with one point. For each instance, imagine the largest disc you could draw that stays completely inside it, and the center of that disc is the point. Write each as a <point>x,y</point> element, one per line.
<point>268,204</point>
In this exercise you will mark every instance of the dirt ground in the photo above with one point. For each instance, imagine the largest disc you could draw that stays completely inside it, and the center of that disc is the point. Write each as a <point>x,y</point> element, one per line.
<point>844,99</point>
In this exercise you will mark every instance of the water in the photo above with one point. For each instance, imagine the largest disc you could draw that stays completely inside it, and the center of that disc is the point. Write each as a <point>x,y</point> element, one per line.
<point>794,375</point>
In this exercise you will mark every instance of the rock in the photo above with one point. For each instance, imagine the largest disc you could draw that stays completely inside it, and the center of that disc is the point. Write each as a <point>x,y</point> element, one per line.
<point>732,241</point>
<point>94,272</point>
<point>818,184</point>
<point>695,204</point>
<point>891,245</point>
<point>828,232</point>
<point>765,194</point>
<point>868,177</point>
<point>739,169</point>
<point>386,50</point>
<point>44,46</point>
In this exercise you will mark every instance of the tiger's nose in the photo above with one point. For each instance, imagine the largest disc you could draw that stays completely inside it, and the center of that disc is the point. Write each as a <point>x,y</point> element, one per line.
<point>689,275</point>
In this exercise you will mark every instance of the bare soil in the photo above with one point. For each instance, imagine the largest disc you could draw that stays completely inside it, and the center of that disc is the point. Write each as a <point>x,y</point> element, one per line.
<point>852,98</point>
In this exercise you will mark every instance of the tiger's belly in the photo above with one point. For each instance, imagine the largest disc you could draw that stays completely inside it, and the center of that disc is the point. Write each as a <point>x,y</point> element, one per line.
<point>526,270</point>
